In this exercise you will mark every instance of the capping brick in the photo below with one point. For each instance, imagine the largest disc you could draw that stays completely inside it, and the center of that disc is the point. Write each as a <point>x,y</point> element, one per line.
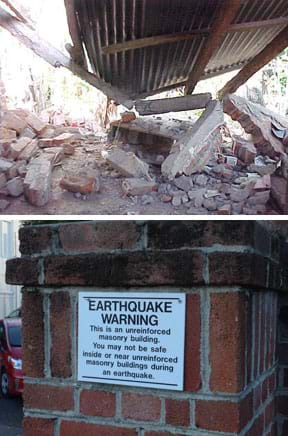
<point>192,378</point>
<point>48,397</point>
<point>35,239</point>
<point>141,407</point>
<point>227,341</point>
<point>97,403</point>
<point>33,334</point>
<point>183,234</point>
<point>177,412</point>
<point>38,426</point>
<point>22,271</point>
<point>243,269</point>
<point>60,310</point>
<point>131,269</point>
<point>114,235</point>
<point>74,428</point>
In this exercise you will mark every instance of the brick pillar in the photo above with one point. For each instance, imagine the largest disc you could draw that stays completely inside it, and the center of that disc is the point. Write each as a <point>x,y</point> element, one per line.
<point>282,354</point>
<point>231,275</point>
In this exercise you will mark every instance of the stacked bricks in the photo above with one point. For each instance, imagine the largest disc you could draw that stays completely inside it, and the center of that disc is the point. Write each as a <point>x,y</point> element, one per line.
<point>231,274</point>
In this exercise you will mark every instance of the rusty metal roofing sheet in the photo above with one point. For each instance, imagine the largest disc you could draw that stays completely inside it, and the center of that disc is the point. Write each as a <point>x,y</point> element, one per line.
<point>140,71</point>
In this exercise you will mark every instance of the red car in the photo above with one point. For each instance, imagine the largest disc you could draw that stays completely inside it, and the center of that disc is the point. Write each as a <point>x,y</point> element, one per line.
<point>11,357</point>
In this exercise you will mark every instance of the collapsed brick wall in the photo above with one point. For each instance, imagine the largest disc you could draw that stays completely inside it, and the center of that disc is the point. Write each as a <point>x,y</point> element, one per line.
<point>230,273</point>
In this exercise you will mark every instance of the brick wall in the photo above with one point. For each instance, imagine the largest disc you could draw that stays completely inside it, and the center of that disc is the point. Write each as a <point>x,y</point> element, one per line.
<point>282,355</point>
<point>231,274</point>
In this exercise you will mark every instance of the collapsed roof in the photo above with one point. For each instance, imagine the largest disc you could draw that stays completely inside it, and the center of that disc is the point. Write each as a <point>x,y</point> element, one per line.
<point>131,49</point>
<point>146,46</point>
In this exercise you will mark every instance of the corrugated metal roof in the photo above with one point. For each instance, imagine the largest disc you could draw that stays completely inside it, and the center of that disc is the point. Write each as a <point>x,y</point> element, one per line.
<point>140,71</point>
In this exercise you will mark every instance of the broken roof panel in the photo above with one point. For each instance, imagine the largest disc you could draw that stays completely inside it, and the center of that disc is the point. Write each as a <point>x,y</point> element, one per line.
<point>152,68</point>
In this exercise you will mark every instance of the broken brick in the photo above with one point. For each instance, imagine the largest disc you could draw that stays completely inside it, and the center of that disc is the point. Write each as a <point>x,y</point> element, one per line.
<point>15,187</point>
<point>128,164</point>
<point>245,150</point>
<point>81,184</point>
<point>17,147</point>
<point>37,183</point>
<point>29,151</point>
<point>138,186</point>
<point>13,122</point>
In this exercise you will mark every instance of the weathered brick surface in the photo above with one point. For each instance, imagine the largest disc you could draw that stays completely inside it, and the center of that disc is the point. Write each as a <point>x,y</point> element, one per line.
<point>22,271</point>
<point>99,236</point>
<point>60,314</point>
<point>97,403</point>
<point>33,334</point>
<point>179,234</point>
<point>177,412</point>
<point>140,407</point>
<point>48,397</point>
<point>73,428</point>
<point>161,433</point>
<point>217,416</point>
<point>237,269</point>
<point>227,341</point>
<point>192,376</point>
<point>35,239</point>
<point>38,427</point>
<point>139,269</point>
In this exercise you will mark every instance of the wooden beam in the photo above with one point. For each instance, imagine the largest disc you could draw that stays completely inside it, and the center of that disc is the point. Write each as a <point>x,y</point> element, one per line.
<point>76,50</point>
<point>263,58</point>
<point>177,104</point>
<point>186,36</point>
<point>57,59</point>
<point>225,14</point>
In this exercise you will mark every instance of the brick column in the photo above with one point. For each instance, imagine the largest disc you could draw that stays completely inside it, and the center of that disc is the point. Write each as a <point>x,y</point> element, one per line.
<point>231,274</point>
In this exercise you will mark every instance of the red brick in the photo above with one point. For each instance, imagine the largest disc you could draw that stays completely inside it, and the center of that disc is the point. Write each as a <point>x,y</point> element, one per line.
<point>192,343</point>
<point>33,334</point>
<point>38,427</point>
<point>141,407</point>
<point>73,428</point>
<point>177,412</point>
<point>38,396</point>
<point>265,388</point>
<point>263,332</point>
<point>99,236</point>
<point>272,383</point>
<point>227,341</point>
<point>97,403</point>
<point>237,269</point>
<point>22,271</point>
<point>180,234</point>
<point>258,427</point>
<point>60,312</point>
<point>126,269</point>
<point>224,415</point>
<point>35,239</point>
<point>217,416</point>
<point>256,332</point>
<point>269,414</point>
<point>257,397</point>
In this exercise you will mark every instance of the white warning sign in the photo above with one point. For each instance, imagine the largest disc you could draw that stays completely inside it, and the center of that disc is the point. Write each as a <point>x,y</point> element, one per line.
<point>132,339</point>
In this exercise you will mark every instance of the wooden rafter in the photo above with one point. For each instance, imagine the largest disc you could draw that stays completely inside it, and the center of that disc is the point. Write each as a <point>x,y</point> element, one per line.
<point>225,14</point>
<point>76,50</point>
<point>56,58</point>
<point>186,36</point>
<point>279,43</point>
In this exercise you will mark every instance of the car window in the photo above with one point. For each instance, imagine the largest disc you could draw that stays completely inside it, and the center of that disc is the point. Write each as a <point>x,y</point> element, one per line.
<point>3,341</point>
<point>15,336</point>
